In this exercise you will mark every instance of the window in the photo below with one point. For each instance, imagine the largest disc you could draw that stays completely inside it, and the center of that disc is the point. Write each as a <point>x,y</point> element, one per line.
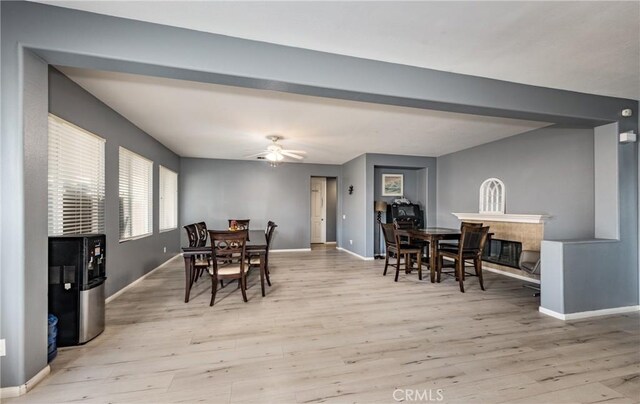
<point>136,195</point>
<point>168,199</point>
<point>75,179</point>
<point>492,195</point>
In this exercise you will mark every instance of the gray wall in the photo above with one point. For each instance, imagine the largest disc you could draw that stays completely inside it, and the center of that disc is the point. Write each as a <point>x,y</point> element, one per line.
<point>332,209</point>
<point>352,228</point>
<point>426,173</point>
<point>129,260</point>
<point>414,183</point>
<point>603,273</point>
<point>549,170</point>
<point>215,190</point>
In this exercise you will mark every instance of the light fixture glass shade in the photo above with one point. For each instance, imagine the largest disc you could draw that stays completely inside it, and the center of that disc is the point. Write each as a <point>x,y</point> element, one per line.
<point>380,206</point>
<point>274,156</point>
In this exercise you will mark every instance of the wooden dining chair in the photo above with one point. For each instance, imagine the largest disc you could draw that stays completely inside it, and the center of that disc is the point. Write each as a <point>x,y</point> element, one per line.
<point>472,241</point>
<point>408,223</point>
<point>240,224</point>
<point>254,260</point>
<point>228,252</point>
<point>202,261</point>
<point>444,244</point>
<point>395,247</point>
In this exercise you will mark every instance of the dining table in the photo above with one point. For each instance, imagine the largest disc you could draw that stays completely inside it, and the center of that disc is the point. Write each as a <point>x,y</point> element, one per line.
<point>256,245</point>
<point>432,235</point>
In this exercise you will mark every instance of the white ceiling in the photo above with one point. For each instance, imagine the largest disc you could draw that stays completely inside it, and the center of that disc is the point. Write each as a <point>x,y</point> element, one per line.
<point>591,47</point>
<point>213,121</point>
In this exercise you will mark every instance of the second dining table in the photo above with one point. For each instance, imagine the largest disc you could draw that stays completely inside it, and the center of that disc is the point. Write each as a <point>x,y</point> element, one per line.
<point>433,235</point>
<point>256,245</point>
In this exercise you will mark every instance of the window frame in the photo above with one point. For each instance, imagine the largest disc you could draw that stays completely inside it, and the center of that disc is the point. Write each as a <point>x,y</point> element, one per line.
<point>161,209</point>
<point>150,196</point>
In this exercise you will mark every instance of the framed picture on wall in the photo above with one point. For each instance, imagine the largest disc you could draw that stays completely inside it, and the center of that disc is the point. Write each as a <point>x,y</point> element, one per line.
<point>392,184</point>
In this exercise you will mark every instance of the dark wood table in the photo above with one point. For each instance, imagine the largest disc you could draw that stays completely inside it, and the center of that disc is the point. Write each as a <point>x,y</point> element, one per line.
<point>256,245</point>
<point>433,235</point>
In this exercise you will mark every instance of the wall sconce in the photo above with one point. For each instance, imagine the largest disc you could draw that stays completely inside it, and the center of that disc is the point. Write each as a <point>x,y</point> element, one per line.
<point>350,189</point>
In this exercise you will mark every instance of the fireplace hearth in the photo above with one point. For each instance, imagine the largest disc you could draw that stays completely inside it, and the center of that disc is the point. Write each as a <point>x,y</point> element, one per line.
<point>502,252</point>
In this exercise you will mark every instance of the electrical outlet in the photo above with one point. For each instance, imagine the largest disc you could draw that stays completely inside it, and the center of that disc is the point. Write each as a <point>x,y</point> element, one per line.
<point>351,242</point>
<point>3,349</point>
<point>165,249</point>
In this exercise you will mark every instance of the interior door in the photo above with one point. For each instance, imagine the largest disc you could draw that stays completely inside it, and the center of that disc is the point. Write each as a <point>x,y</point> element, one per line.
<point>318,210</point>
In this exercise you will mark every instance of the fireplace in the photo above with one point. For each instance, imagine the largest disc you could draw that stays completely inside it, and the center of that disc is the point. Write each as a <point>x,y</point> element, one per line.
<point>503,252</point>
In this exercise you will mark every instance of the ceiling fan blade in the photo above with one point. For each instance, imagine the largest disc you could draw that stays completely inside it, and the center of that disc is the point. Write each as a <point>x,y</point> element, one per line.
<point>263,153</point>
<point>289,154</point>
<point>295,151</point>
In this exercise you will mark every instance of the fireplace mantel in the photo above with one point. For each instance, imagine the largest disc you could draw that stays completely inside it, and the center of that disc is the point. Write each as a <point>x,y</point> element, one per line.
<point>503,217</point>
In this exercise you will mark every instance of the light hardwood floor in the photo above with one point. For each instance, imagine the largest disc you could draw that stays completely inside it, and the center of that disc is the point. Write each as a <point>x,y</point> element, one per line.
<point>333,329</point>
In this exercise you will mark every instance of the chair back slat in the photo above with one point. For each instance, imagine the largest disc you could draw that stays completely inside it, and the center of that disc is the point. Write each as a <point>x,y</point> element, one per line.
<point>388,233</point>
<point>192,235</point>
<point>473,238</point>
<point>202,233</point>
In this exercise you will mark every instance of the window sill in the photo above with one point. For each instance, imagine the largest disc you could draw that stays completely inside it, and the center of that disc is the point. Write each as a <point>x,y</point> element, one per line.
<point>136,237</point>
<point>168,230</point>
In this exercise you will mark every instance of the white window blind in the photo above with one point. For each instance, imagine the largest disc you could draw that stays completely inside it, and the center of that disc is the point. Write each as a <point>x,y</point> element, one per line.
<point>75,179</point>
<point>136,195</point>
<point>168,199</point>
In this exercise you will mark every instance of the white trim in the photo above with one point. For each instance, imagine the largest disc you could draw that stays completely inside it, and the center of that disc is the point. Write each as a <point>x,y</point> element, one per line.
<point>330,242</point>
<point>16,391</point>
<point>512,275</point>
<point>503,217</point>
<point>140,279</point>
<point>357,255</point>
<point>291,250</point>
<point>588,314</point>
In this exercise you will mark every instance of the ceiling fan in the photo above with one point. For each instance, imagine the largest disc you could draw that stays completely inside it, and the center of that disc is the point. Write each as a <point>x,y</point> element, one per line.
<point>275,153</point>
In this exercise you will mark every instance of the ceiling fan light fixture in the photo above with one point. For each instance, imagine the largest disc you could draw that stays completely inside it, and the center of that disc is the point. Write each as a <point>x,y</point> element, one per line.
<point>274,156</point>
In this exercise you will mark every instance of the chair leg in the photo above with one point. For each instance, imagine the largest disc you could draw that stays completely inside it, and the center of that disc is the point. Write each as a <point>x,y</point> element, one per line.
<point>266,275</point>
<point>420,265</point>
<point>386,263</point>
<point>214,289</point>
<point>397,266</point>
<point>459,270</point>
<point>243,286</point>
<point>439,263</point>
<point>221,283</point>
<point>478,264</point>
<point>407,263</point>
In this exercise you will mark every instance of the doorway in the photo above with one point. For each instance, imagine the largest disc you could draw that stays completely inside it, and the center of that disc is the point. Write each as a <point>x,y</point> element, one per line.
<point>323,210</point>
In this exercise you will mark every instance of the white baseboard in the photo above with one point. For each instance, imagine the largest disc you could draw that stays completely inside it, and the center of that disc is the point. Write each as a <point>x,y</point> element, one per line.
<point>330,242</point>
<point>588,314</point>
<point>357,255</point>
<point>505,273</point>
<point>140,279</point>
<point>291,250</point>
<point>16,391</point>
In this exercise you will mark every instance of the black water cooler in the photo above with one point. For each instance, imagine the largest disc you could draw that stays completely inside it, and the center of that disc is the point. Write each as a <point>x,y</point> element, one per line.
<point>76,286</point>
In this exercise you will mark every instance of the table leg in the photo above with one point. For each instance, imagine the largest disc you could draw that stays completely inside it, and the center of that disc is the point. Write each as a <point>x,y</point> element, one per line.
<point>188,276</point>
<point>262,273</point>
<point>433,259</point>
